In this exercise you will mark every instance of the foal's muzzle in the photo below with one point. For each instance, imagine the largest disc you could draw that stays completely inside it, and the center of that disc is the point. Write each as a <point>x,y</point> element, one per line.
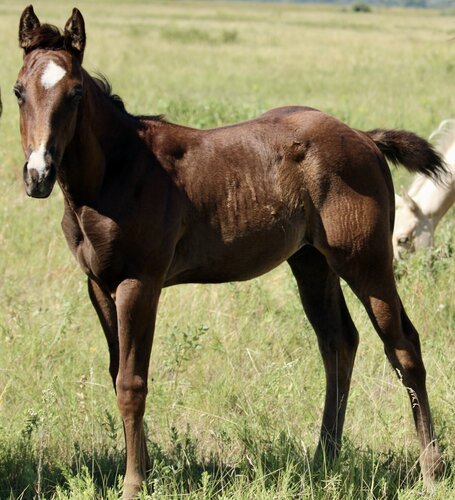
<point>39,184</point>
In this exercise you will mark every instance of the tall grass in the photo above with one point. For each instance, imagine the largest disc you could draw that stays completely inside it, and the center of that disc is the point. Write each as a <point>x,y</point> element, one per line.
<point>236,382</point>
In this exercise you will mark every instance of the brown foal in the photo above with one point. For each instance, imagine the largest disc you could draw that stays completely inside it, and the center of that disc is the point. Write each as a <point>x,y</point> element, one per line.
<point>149,204</point>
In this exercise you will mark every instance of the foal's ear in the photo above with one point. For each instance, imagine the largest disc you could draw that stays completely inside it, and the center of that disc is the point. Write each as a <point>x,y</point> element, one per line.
<point>28,23</point>
<point>75,33</point>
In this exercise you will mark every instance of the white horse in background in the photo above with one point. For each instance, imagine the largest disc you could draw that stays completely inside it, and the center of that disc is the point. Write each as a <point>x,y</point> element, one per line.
<point>419,211</point>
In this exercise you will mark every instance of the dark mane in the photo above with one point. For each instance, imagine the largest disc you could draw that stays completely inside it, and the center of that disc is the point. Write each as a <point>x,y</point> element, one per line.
<point>105,86</point>
<point>46,36</point>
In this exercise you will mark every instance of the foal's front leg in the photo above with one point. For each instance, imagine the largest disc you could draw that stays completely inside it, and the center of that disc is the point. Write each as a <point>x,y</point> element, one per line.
<point>107,314</point>
<point>136,301</point>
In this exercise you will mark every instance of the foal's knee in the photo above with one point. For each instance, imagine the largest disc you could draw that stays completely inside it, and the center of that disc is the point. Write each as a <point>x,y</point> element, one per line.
<point>131,394</point>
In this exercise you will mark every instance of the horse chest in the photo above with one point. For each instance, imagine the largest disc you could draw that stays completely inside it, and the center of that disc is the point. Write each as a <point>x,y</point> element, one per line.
<point>97,246</point>
<point>91,259</point>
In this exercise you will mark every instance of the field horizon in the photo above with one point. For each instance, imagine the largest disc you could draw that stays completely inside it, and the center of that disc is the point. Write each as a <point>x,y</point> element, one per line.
<point>236,384</point>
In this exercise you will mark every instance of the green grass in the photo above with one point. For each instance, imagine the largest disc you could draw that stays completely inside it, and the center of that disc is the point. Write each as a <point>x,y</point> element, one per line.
<point>236,382</point>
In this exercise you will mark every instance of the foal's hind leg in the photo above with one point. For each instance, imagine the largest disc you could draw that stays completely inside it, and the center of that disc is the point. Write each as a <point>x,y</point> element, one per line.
<point>325,307</point>
<point>373,282</point>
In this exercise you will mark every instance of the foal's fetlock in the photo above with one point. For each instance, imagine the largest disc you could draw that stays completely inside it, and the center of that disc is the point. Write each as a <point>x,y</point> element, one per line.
<point>326,455</point>
<point>432,464</point>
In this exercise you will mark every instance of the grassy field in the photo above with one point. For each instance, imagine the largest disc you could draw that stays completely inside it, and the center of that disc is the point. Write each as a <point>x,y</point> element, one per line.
<point>236,382</point>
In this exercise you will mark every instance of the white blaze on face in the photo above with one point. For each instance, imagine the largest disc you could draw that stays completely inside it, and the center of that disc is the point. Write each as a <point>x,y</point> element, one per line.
<point>52,75</point>
<point>37,162</point>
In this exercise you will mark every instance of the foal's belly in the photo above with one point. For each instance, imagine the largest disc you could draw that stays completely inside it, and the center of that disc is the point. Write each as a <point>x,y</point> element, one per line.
<point>207,257</point>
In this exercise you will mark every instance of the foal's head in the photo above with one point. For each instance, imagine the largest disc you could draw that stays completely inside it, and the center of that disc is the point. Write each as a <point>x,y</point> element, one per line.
<point>48,90</point>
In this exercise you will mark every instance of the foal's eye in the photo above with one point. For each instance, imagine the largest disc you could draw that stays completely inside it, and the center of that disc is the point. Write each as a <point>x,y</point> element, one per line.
<point>403,240</point>
<point>76,94</point>
<point>19,95</point>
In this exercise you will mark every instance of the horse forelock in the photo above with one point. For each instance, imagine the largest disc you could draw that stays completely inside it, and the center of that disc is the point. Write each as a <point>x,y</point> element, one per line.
<point>46,36</point>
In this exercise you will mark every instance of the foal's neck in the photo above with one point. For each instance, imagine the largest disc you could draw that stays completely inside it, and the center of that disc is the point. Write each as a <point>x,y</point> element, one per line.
<point>100,130</point>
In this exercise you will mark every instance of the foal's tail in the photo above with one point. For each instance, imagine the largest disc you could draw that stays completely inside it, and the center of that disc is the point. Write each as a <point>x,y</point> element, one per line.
<point>410,150</point>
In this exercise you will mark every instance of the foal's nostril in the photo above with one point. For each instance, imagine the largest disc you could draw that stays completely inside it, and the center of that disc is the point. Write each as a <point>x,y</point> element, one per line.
<point>33,175</point>
<point>26,174</point>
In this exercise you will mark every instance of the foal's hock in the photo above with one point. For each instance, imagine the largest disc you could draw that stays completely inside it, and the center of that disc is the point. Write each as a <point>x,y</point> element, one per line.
<point>149,204</point>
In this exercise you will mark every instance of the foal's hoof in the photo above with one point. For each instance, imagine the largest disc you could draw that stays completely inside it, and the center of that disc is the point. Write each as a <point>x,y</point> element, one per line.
<point>131,490</point>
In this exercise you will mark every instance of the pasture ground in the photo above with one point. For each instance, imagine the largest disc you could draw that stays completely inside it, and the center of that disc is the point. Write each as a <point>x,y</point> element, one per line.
<point>236,382</point>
